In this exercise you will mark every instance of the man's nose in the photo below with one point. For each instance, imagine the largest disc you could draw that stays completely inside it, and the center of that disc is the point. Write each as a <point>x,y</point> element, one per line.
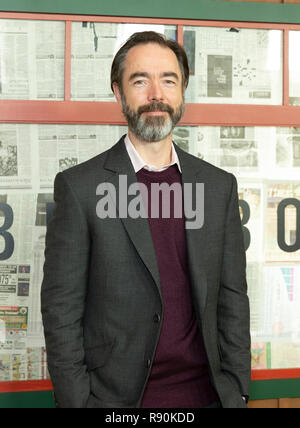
<point>155,92</point>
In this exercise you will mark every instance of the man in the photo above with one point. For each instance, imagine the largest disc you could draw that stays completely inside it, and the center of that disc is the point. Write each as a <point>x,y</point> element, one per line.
<point>143,311</point>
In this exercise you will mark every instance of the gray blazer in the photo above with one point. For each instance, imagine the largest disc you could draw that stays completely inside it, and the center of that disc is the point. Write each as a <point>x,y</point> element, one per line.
<point>101,288</point>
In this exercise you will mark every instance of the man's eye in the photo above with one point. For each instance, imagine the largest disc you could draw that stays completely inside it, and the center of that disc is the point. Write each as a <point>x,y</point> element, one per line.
<point>170,82</point>
<point>139,82</point>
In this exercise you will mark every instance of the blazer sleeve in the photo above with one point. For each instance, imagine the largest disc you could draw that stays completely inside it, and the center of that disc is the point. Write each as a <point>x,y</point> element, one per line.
<point>63,295</point>
<point>233,307</point>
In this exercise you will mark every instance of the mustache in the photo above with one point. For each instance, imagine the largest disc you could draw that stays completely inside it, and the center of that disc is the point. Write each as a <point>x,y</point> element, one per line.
<point>155,106</point>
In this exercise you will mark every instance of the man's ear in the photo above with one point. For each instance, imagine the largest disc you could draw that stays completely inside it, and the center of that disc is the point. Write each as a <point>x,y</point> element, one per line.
<point>117,92</point>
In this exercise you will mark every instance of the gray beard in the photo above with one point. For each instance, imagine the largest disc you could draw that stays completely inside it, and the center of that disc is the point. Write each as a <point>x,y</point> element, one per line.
<point>152,129</point>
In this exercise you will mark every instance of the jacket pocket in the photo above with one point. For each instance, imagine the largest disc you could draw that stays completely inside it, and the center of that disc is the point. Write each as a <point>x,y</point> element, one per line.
<point>97,356</point>
<point>220,352</point>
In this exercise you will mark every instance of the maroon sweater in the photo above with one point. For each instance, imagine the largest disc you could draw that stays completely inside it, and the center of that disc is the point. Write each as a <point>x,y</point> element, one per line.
<point>179,376</point>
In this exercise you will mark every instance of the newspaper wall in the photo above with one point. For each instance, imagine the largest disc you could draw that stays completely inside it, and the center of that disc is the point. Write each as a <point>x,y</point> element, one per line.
<point>266,163</point>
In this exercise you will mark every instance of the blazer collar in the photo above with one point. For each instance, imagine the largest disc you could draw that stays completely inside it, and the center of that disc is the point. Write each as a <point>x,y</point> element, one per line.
<point>119,161</point>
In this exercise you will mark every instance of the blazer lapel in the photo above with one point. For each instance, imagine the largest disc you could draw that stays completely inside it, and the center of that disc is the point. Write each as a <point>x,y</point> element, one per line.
<point>138,229</point>
<point>195,238</point>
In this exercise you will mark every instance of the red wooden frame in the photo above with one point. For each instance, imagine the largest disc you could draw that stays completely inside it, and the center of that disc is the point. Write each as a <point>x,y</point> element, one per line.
<point>25,386</point>
<point>109,113</point>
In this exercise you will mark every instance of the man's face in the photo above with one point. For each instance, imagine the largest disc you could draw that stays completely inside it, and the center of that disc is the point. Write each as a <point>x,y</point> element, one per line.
<point>152,95</point>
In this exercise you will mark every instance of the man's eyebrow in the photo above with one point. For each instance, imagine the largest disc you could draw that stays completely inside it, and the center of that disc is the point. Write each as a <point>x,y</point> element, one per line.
<point>145,74</point>
<point>138,74</point>
<point>170,74</point>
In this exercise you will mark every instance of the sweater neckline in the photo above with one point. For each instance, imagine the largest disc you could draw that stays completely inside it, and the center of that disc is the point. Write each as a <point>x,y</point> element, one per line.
<point>159,175</point>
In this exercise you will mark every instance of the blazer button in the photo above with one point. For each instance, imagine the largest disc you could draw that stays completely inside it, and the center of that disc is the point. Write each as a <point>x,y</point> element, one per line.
<point>148,363</point>
<point>156,318</point>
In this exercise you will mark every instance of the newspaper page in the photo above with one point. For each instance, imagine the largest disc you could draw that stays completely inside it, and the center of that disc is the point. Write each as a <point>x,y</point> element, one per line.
<point>230,65</point>
<point>288,152</point>
<point>256,298</point>
<point>256,153</point>
<point>235,149</point>
<point>294,68</point>
<point>276,193</point>
<point>64,146</point>
<point>277,344</point>
<point>185,137</point>
<point>94,45</point>
<point>22,347</point>
<point>32,59</point>
<point>282,299</point>
<point>50,59</point>
<point>252,215</point>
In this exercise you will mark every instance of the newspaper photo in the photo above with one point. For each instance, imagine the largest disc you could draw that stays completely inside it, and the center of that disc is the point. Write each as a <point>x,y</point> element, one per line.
<point>15,156</point>
<point>288,148</point>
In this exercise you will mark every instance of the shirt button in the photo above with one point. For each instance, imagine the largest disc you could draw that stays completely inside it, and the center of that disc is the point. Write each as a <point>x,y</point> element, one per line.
<point>156,318</point>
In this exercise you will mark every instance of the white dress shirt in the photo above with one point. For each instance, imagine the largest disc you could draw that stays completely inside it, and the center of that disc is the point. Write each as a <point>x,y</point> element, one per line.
<point>138,163</point>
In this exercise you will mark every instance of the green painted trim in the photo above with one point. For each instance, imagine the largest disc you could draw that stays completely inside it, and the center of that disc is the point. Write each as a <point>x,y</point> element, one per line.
<point>281,388</point>
<point>200,9</point>
<point>27,400</point>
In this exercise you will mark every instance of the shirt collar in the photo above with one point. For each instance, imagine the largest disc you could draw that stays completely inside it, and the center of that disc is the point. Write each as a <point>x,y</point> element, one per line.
<point>138,163</point>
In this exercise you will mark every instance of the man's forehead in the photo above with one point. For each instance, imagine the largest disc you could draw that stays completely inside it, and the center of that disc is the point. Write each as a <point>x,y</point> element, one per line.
<point>151,54</point>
